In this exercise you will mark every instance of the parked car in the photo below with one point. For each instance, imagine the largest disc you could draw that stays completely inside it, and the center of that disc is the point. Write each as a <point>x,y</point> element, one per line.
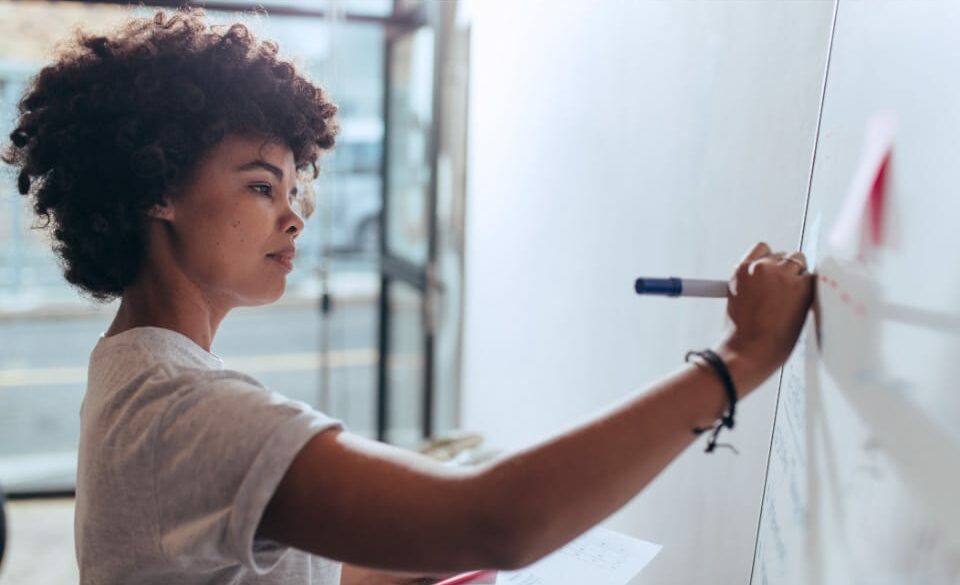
<point>346,223</point>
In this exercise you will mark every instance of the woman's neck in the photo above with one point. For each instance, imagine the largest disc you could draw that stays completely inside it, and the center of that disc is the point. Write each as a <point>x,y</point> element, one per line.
<point>169,301</point>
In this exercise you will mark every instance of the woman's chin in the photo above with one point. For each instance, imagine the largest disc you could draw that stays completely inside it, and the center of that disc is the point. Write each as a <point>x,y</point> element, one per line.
<point>265,297</point>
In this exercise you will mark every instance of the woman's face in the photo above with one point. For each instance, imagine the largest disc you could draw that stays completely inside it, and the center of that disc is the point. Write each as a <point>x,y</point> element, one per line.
<point>232,228</point>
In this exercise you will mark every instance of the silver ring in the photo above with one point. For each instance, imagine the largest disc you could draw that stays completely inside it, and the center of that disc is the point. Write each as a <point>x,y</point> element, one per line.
<point>797,262</point>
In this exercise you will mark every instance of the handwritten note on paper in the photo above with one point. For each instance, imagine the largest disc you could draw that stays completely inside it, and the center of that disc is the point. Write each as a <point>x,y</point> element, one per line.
<point>598,557</point>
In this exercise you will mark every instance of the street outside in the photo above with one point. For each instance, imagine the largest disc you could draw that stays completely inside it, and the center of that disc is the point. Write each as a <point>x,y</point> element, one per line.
<point>43,375</point>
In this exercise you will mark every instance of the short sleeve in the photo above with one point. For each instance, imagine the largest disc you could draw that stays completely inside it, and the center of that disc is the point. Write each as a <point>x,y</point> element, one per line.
<point>221,448</point>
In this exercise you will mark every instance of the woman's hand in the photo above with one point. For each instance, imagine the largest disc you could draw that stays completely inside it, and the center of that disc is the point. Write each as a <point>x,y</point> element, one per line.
<point>770,294</point>
<point>354,575</point>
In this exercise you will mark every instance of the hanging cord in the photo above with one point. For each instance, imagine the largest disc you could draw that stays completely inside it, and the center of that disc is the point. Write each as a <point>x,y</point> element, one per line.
<point>726,420</point>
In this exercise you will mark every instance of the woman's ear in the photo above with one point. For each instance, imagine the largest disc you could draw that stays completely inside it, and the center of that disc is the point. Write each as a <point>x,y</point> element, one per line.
<point>163,211</point>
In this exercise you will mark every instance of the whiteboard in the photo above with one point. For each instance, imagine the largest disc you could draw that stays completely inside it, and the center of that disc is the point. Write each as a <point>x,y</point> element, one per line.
<point>864,466</point>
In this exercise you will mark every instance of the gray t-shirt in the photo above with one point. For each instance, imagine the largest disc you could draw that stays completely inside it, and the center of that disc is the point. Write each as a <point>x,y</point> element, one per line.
<point>178,459</point>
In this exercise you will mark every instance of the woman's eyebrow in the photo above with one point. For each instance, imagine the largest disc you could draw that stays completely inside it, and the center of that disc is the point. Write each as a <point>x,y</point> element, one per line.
<point>262,164</point>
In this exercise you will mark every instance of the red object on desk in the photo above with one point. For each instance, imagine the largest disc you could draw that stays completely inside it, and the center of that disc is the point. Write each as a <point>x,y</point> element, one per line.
<point>471,577</point>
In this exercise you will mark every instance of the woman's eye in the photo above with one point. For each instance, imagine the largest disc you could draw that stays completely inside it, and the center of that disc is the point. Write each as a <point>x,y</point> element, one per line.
<point>263,189</point>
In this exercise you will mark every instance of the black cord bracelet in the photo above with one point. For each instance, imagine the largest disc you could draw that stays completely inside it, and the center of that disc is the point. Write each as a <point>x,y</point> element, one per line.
<point>726,421</point>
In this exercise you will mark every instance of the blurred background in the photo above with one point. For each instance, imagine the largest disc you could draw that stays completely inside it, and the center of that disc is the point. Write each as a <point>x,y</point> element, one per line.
<point>377,283</point>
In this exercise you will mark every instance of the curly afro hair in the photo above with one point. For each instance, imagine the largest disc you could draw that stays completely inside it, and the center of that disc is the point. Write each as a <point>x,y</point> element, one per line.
<point>120,121</point>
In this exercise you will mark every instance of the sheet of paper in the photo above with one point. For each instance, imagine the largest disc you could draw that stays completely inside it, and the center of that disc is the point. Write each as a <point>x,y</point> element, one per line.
<point>598,557</point>
<point>811,242</point>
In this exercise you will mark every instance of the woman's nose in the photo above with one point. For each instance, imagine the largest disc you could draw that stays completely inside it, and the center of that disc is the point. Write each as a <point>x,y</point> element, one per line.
<point>294,223</point>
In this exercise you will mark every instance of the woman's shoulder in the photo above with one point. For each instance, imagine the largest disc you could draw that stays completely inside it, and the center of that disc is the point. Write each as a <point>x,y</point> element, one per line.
<point>142,347</point>
<point>146,370</point>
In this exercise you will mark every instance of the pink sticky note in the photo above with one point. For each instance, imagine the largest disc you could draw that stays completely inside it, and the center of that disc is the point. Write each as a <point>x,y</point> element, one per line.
<point>876,203</point>
<point>861,221</point>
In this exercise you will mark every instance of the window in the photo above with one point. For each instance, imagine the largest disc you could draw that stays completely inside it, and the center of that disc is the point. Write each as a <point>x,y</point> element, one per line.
<point>47,330</point>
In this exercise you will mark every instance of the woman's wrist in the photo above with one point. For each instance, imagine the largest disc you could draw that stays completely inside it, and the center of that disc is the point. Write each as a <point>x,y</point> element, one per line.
<point>747,371</point>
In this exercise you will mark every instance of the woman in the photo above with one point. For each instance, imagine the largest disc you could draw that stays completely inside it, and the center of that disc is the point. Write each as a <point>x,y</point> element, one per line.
<point>167,158</point>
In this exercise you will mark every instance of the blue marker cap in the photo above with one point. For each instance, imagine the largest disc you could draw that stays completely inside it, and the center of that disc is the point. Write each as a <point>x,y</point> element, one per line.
<point>671,287</point>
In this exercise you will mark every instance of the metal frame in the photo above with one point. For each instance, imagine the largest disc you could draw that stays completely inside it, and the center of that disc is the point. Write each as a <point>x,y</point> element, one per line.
<point>403,20</point>
<point>3,526</point>
<point>41,495</point>
<point>395,269</point>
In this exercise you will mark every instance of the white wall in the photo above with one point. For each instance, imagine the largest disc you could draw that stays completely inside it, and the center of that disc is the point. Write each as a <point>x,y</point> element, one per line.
<point>610,139</point>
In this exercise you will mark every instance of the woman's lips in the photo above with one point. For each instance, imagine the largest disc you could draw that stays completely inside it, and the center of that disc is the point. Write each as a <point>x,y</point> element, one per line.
<point>285,260</point>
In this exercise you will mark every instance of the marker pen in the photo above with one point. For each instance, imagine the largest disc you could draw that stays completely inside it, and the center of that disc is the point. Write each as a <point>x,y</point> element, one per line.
<point>681,287</point>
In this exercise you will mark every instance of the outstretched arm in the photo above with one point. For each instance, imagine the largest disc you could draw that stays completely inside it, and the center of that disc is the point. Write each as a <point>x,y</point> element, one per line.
<point>363,502</point>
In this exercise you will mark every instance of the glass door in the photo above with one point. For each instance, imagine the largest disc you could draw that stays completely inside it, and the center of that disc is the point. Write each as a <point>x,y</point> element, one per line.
<point>408,241</point>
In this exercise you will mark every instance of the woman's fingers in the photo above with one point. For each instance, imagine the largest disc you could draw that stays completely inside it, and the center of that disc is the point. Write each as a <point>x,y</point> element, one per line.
<point>762,253</point>
<point>758,251</point>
